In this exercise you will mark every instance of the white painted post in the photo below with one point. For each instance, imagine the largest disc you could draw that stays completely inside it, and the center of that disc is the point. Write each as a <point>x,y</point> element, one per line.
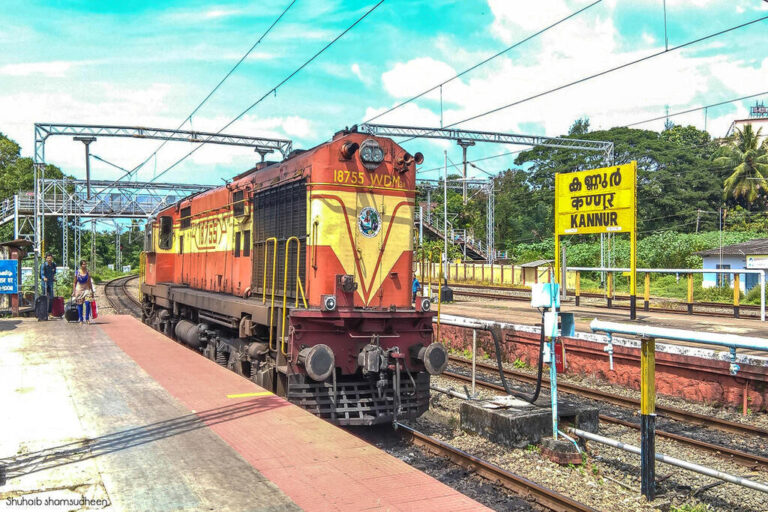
<point>474,358</point>
<point>762,296</point>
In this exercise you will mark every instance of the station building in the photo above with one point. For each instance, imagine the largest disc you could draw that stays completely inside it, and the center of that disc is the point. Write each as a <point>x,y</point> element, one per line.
<point>747,255</point>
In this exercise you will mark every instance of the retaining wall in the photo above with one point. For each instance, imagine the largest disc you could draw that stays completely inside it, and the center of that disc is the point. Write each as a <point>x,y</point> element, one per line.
<point>701,379</point>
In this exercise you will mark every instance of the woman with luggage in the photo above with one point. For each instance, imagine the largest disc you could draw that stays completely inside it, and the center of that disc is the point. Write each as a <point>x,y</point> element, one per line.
<point>83,292</point>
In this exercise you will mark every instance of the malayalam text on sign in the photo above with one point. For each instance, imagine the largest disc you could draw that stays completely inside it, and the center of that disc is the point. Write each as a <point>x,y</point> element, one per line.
<point>596,201</point>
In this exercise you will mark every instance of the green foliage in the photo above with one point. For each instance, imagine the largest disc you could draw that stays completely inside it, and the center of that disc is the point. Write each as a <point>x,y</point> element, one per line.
<point>748,161</point>
<point>687,507</point>
<point>436,248</point>
<point>520,364</point>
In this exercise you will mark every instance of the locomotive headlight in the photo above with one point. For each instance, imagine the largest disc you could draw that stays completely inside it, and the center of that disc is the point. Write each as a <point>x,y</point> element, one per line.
<point>425,304</point>
<point>371,154</point>
<point>329,302</point>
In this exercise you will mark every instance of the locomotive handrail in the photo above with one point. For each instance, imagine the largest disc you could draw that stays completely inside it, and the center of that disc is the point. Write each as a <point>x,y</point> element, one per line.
<point>142,272</point>
<point>264,285</point>
<point>299,287</point>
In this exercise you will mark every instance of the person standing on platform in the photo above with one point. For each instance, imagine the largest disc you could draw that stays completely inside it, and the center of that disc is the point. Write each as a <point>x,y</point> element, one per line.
<point>82,293</point>
<point>415,287</point>
<point>48,275</point>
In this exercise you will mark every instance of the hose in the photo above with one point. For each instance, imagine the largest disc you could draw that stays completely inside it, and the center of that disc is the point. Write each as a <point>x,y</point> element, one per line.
<point>496,335</point>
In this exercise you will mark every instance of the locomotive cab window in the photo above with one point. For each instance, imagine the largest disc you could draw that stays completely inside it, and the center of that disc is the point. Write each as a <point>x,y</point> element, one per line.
<point>246,243</point>
<point>166,232</point>
<point>238,205</point>
<point>186,217</point>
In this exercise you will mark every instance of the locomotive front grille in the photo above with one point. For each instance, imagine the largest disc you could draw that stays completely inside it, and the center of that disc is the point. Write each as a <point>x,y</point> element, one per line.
<point>357,402</point>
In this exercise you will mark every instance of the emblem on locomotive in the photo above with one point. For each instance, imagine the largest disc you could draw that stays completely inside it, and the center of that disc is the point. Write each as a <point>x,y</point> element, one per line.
<point>369,222</point>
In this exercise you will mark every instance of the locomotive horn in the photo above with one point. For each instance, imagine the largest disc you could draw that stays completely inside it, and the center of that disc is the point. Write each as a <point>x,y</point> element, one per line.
<point>418,158</point>
<point>348,149</point>
<point>407,158</point>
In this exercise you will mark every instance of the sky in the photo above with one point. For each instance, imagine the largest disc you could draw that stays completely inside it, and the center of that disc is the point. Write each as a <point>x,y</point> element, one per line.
<point>149,63</point>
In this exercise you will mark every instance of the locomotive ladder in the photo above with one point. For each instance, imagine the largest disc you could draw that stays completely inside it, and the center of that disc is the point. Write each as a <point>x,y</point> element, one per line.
<point>299,287</point>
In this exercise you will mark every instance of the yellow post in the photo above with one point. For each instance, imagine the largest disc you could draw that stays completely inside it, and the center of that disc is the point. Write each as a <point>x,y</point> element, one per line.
<point>647,292</point>
<point>578,287</point>
<point>648,416</point>
<point>690,294</point>
<point>736,294</point>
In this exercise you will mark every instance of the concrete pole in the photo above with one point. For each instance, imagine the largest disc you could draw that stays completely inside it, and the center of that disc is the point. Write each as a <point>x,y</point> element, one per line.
<point>445,213</point>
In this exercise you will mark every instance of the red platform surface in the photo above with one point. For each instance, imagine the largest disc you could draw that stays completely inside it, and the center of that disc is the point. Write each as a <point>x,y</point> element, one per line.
<point>319,466</point>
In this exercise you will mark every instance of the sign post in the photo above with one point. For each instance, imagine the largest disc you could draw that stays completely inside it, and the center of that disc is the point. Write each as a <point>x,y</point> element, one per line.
<point>599,201</point>
<point>9,276</point>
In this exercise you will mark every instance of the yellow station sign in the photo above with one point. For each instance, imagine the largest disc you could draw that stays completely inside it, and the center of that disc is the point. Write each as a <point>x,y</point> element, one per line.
<point>596,201</point>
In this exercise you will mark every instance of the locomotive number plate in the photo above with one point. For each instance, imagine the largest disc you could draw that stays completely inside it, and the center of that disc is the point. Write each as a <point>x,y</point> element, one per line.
<point>208,234</point>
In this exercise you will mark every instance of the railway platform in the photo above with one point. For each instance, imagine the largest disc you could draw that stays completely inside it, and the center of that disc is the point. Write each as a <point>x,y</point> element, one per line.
<point>114,416</point>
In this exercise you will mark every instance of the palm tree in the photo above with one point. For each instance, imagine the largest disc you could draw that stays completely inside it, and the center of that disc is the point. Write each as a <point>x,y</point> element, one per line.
<point>750,165</point>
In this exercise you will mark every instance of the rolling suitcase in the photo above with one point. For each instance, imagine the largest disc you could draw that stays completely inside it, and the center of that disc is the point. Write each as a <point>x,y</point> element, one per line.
<point>41,308</point>
<point>70,313</point>
<point>57,308</point>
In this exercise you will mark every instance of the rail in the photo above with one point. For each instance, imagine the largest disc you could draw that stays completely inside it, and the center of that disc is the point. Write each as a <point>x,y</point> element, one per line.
<point>299,287</point>
<point>264,285</point>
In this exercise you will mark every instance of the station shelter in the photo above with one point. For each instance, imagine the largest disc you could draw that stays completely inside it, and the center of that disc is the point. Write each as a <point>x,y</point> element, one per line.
<point>746,255</point>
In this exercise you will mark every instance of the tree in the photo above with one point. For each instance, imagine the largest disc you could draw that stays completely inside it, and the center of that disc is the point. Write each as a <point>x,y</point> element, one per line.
<point>749,162</point>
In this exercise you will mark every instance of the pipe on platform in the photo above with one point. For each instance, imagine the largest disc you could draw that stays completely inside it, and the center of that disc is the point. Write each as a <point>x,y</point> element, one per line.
<point>690,466</point>
<point>450,392</point>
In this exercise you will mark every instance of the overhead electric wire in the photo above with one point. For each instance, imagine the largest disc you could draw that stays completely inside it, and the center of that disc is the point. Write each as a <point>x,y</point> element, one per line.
<point>97,157</point>
<point>485,61</point>
<point>216,88</point>
<point>595,75</point>
<point>276,87</point>
<point>712,105</point>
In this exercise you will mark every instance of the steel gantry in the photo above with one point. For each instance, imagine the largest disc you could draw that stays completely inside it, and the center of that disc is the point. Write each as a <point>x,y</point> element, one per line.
<point>117,199</point>
<point>386,130</point>
<point>466,138</point>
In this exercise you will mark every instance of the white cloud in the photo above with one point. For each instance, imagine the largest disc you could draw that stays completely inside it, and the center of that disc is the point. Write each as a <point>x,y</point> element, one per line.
<point>648,38</point>
<point>409,78</point>
<point>55,68</point>
<point>355,68</point>
<point>221,13</point>
<point>682,79</point>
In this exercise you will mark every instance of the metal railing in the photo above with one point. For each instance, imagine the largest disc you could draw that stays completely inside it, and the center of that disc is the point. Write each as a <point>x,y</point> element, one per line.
<point>689,272</point>
<point>299,287</point>
<point>273,240</point>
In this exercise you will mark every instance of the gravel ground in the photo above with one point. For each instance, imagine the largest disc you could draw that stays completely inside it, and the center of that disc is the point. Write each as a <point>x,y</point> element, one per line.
<point>597,482</point>
<point>479,489</point>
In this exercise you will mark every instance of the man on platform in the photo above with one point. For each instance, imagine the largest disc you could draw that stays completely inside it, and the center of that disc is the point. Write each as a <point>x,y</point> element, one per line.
<point>48,275</point>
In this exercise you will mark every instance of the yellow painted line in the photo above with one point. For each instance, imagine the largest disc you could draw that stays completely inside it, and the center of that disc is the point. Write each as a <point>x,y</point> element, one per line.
<point>246,395</point>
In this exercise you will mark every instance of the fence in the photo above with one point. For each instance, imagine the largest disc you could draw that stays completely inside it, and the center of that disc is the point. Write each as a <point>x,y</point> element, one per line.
<point>522,277</point>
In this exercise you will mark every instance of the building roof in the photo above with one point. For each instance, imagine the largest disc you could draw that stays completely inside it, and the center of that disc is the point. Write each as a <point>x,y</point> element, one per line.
<point>537,263</point>
<point>757,246</point>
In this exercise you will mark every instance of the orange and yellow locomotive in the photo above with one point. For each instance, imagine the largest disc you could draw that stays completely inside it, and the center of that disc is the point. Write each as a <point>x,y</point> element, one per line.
<point>298,275</point>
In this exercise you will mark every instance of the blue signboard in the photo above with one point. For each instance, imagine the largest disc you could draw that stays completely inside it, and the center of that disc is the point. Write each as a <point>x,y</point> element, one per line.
<point>9,277</point>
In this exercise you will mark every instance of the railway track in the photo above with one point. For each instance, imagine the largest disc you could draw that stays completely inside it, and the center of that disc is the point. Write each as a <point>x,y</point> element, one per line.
<point>120,297</point>
<point>515,483</point>
<point>753,312</point>
<point>740,457</point>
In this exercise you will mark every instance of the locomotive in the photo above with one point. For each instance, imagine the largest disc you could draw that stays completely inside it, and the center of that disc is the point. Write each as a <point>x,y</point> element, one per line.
<point>298,275</point>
